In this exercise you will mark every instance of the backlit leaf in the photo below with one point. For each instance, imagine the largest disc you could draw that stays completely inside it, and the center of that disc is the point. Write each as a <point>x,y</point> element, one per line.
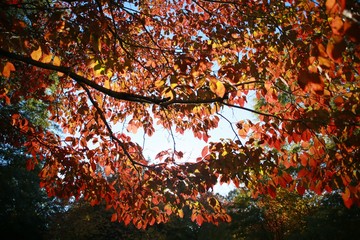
<point>107,170</point>
<point>199,220</point>
<point>56,61</point>
<point>36,54</point>
<point>7,69</point>
<point>181,213</point>
<point>217,87</point>
<point>46,58</point>
<point>114,217</point>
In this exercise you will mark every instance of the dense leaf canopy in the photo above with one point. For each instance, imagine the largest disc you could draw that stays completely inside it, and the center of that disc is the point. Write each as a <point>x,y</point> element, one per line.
<point>98,64</point>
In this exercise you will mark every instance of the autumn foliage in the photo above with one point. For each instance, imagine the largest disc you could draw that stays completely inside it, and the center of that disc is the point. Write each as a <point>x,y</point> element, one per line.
<point>177,64</point>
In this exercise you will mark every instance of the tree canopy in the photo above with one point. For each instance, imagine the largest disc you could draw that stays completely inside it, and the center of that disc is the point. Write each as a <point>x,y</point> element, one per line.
<point>99,64</point>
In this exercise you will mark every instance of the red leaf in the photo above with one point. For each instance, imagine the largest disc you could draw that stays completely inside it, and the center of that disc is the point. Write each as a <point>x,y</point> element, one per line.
<point>193,216</point>
<point>227,218</point>
<point>127,220</point>
<point>300,189</point>
<point>107,170</point>
<point>69,139</point>
<point>303,172</point>
<point>335,48</point>
<point>205,151</point>
<point>155,200</point>
<point>338,101</point>
<point>152,221</point>
<point>304,160</point>
<point>272,191</point>
<point>312,163</point>
<point>199,220</point>
<point>346,194</point>
<point>348,203</point>
<point>319,188</point>
<point>287,177</point>
<point>168,209</point>
<point>114,217</point>
<point>311,82</point>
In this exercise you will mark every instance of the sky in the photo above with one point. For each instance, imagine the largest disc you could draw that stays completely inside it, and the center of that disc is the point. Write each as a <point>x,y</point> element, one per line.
<point>190,145</point>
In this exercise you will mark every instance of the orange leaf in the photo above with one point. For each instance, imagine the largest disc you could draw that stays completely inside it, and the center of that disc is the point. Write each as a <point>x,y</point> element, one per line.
<point>287,177</point>
<point>334,6</point>
<point>56,61</point>
<point>107,170</point>
<point>319,188</point>
<point>47,58</point>
<point>36,55</point>
<point>127,220</point>
<point>330,4</point>
<point>7,69</point>
<point>114,217</point>
<point>152,221</point>
<point>235,35</point>
<point>107,84</point>
<point>346,194</point>
<point>155,201</point>
<point>168,209</point>
<point>348,203</point>
<point>181,213</point>
<point>139,224</point>
<point>325,62</point>
<point>335,47</point>
<point>199,220</point>
<point>303,172</point>
<point>69,139</point>
<point>337,25</point>
<point>339,100</point>
<point>310,81</point>
<point>227,218</point>
<point>312,163</point>
<point>193,216</point>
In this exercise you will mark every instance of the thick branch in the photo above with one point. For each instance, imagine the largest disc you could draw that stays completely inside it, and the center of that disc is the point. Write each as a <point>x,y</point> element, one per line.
<point>67,71</point>
<point>123,95</point>
<point>114,94</point>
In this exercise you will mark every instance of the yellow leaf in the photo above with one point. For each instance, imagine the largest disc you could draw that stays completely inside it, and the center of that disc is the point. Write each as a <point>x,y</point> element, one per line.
<point>99,99</point>
<point>107,84</point>
<point>235,35</point>
<point>217,87</point>
<point>109,73</point>
<point>168,209</point>
<point>220,89</point>
<point>181,213</point>
<point>169,94</point>
<point>159,83</point>
<point>56,61</point>
<point>7,69</point>
<point>47,58</point>
<point>36,55</point>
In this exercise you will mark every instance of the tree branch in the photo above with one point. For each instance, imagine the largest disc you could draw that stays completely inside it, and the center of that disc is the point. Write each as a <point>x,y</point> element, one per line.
<point>79,79</point>
<point>112,135</point>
